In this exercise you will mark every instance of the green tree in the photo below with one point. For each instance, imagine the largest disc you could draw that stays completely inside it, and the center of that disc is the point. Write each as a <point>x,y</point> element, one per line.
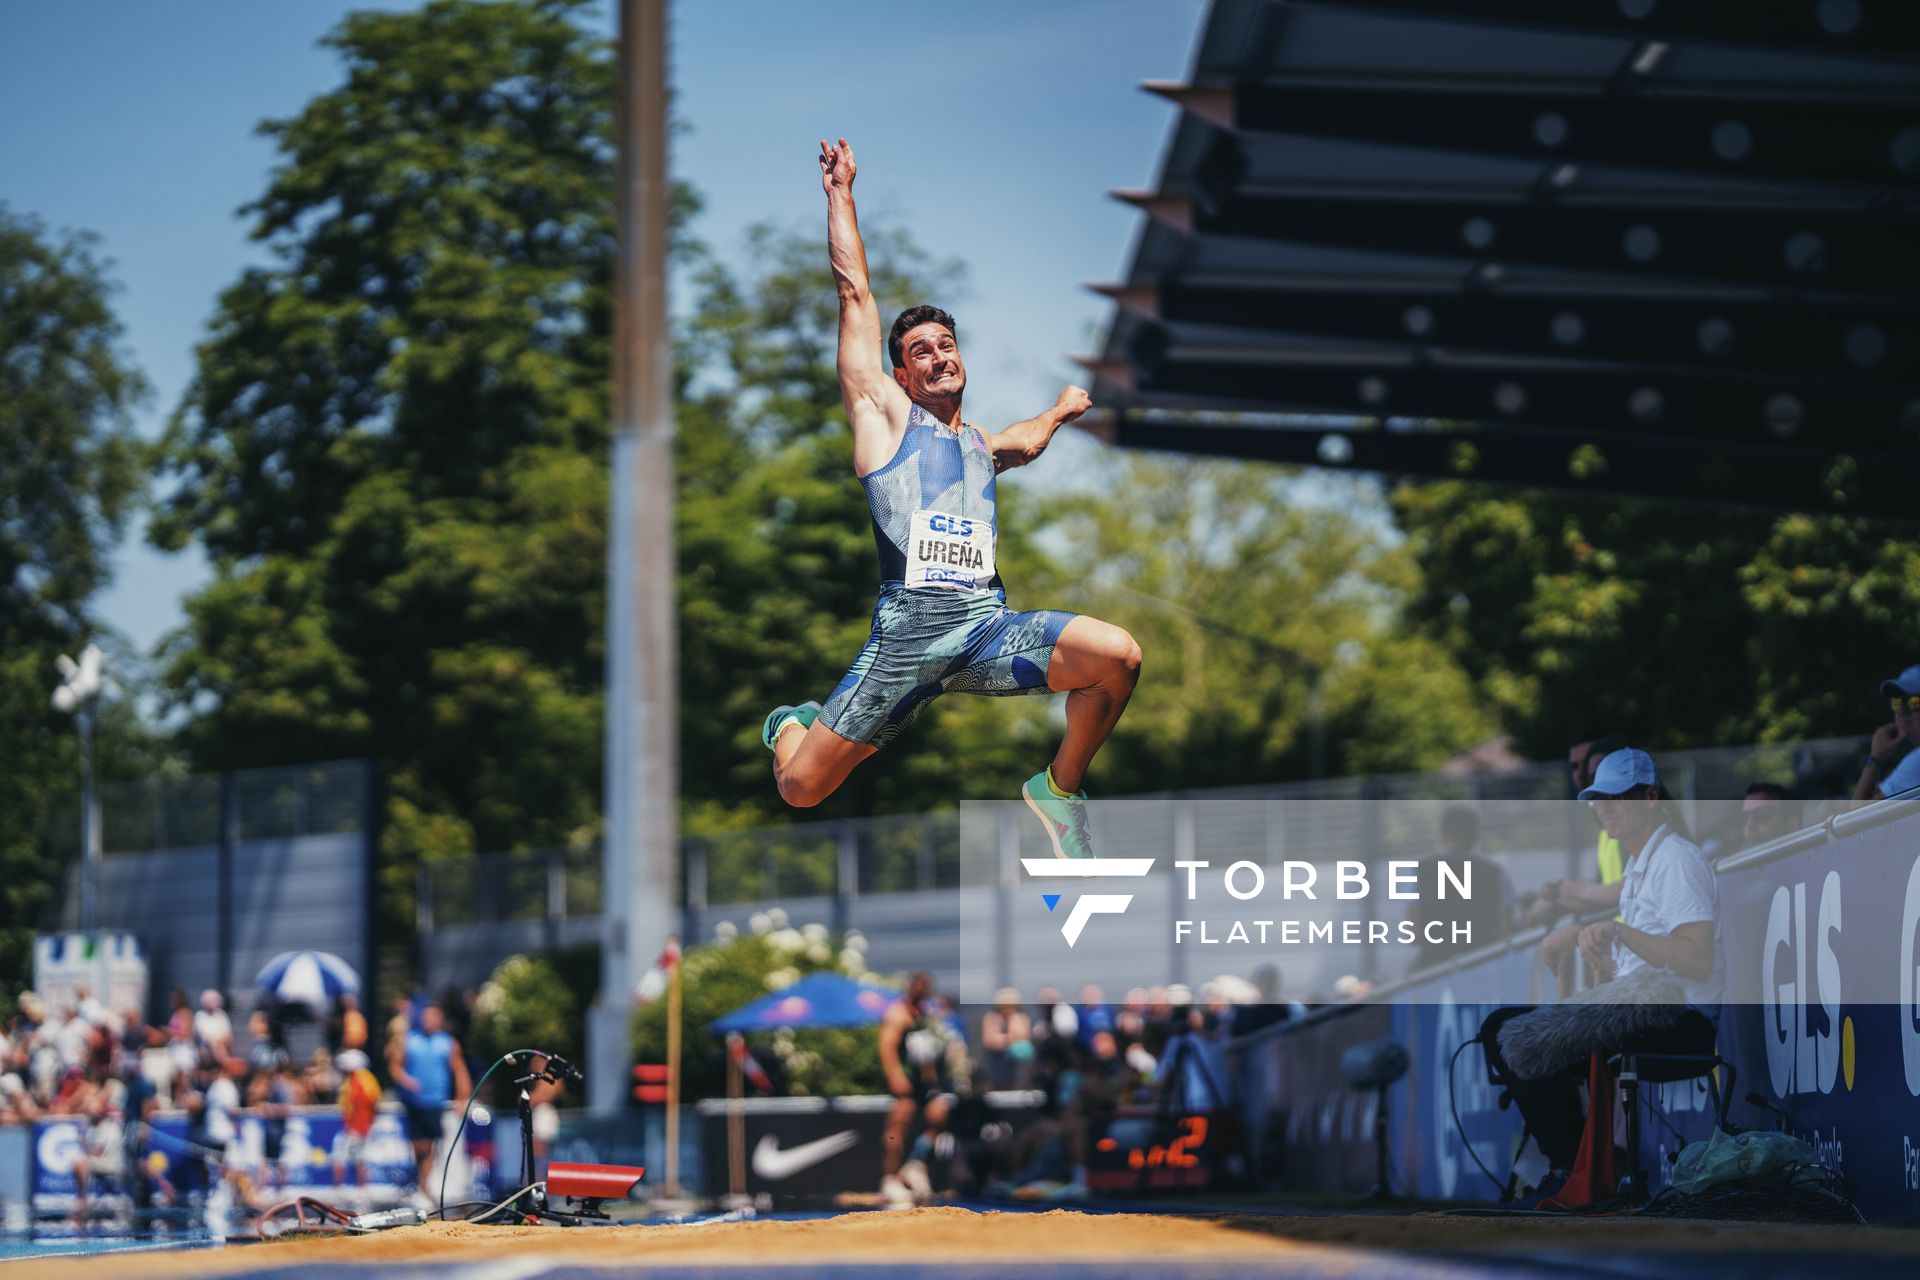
<point>69,472</point>
<point>394,447</point>
<point>1684,626</point>
<point>1259,603</point>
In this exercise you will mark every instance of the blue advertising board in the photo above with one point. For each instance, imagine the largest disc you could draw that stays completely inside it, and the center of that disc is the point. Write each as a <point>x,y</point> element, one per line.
<point>312,1148</point>
<point>1822,1019</point>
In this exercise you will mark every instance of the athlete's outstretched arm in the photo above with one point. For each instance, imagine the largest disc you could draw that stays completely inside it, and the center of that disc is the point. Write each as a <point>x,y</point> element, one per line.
<point>1022,442</point>
<point>876,407</point>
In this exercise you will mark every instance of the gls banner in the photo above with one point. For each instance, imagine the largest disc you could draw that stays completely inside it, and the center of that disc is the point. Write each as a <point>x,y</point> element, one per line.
<point>1822,1018</point>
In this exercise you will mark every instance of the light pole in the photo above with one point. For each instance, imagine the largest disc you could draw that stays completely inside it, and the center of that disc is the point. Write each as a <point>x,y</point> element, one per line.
<point>640,858</point>
<point>79,689</point>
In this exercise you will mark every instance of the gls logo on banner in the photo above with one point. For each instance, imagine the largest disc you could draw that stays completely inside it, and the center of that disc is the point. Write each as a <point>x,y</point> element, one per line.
<point>1910,982</point>
<point>958,526</point>
<point>1799,1060</point>
<point>1089,904</point>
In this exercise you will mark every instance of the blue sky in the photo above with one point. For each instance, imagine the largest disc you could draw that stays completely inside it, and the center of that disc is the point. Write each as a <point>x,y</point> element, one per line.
<point>992,129</point>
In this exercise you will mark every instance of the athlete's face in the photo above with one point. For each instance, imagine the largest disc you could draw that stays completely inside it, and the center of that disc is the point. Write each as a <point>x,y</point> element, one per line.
<point>933,370</point>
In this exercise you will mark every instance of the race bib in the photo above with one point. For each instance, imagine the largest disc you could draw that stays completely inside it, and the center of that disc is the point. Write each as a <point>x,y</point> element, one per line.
<point>945,550</point>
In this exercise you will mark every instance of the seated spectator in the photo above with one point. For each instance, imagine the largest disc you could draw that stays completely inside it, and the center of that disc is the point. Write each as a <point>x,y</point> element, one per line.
<point>1580,897</point>
<point>1006,1037</point>
<point>1486,911</point>
<point>1892,765</point>
<point>1053,1018</point>
<point>1768,812</point>
<point>1092,1016</point>
<point>320,1082</point>
<point>1666,942</point>
<point>211,1026</point>
<point>1130,1020</point>
<point>266,1054</point>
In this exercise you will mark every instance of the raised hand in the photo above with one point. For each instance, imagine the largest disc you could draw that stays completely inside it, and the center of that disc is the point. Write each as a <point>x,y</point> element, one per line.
<point>836,166</point>
<point>1073,402</point>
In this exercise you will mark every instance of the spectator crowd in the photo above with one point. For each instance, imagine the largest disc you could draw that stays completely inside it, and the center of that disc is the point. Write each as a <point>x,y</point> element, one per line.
<point>113,1071</point>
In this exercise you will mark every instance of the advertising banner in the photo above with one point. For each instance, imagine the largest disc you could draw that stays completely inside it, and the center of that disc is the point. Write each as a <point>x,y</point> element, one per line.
<point>1821,1021</point>
<point>312,1146</point>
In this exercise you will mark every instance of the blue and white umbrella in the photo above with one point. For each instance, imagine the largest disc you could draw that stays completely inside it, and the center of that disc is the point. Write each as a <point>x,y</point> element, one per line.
<point>311,978</point>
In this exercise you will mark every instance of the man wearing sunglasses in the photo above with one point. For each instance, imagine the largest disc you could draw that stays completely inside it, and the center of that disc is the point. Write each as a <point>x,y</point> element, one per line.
<point>1892,765</point>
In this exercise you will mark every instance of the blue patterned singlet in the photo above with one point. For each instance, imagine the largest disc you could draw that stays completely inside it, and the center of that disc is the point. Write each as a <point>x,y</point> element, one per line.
<point>933,470</point>
<point>935,639</point>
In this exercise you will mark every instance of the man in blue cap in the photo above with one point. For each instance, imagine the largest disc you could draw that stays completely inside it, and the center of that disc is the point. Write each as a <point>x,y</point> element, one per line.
<point>1892,765</point>
<point>1669,909</point>
<point>1669,896</point>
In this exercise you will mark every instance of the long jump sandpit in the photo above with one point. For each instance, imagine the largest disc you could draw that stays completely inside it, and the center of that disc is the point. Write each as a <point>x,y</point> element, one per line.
<point>938,1243</point>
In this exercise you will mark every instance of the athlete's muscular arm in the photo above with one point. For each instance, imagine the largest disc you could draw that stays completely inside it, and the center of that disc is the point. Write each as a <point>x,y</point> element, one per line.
<point>1022,442</point>
<point>876,406</point>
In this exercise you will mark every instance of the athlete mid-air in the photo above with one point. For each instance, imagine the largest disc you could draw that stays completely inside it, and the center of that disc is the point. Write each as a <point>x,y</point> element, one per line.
<point>941,623</point>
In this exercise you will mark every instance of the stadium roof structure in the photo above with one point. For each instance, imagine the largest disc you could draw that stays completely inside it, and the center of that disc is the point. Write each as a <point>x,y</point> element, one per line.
<point>1668,248</point>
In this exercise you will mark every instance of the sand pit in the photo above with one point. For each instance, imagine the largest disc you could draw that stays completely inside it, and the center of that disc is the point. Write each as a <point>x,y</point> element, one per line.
<point>933,1235</point>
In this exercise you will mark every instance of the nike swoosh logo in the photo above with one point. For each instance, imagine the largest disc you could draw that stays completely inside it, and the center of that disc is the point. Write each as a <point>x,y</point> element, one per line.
<point>773,1164</point>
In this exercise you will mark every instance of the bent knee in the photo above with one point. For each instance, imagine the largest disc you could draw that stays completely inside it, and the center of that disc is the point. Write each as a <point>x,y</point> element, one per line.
<point>803,789</point>
<point>1129,656</point>
<point>802,792</point>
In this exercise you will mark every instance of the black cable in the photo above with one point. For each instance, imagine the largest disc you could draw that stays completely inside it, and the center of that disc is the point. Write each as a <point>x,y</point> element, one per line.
<point>472,1097</point>
<point>1453,1104</point>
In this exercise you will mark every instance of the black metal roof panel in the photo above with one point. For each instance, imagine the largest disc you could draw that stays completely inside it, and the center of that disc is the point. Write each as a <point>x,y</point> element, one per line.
<point>1629,223</point>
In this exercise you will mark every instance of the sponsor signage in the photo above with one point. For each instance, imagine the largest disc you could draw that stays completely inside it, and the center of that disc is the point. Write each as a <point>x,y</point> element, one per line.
<point>1822,1019</point>
<point>312,1139</point>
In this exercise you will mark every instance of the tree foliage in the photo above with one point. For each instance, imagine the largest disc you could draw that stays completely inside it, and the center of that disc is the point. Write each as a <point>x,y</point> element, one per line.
<point>69,473</point>
<point>1684,626</point>
<point>1261,605</point>
<point>394,446</point>
<point>734,970</point>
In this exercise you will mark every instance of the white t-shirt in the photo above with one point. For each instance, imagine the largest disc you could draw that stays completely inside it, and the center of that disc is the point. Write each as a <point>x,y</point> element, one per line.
<point>212,1027</point>
<point>1667,884</point>
<point>223,1099</point>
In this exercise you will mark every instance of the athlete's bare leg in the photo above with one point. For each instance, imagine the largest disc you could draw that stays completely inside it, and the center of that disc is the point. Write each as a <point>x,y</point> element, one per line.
<point>1096,664</point>
<point>893,1143</point>
<point>810,763</point>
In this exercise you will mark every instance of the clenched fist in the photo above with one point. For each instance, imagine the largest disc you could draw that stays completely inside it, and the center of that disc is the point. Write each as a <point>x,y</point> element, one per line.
<point>1073,402</point>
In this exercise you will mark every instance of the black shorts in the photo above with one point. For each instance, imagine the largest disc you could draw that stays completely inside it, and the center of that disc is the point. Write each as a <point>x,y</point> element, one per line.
<point>425,1123</point>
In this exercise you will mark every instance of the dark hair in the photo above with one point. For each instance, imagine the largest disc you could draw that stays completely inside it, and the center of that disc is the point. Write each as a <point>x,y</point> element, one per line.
<point>910,319</point>
<point>1772,790</point>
